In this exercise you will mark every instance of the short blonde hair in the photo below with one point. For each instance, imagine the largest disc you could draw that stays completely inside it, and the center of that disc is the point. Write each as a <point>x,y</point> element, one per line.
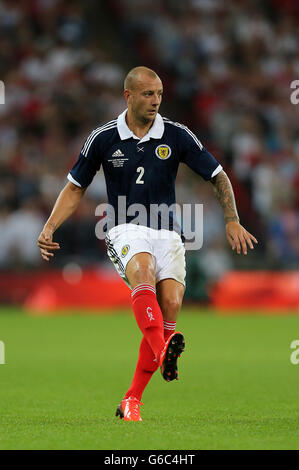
<point>134,74</point>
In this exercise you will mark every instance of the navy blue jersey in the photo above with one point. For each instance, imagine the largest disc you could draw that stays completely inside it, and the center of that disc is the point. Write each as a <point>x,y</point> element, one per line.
<point>142,170</point>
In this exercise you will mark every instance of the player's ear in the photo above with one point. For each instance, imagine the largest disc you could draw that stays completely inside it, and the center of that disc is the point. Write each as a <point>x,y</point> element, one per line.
<point>127,94</point>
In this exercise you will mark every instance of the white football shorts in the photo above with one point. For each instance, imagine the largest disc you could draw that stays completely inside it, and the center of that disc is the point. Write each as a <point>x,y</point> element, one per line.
<point>126,240</point>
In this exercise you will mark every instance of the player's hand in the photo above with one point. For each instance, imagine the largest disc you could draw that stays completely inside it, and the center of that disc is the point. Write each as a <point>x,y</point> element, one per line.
<point>239,238</point>
<point>46,244</point>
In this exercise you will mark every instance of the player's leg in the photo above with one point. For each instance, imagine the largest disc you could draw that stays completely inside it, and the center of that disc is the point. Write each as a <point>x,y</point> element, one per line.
<point>170,295</point>
<point>141,270</point>
<point>129,248</point>
<point>140,273</point>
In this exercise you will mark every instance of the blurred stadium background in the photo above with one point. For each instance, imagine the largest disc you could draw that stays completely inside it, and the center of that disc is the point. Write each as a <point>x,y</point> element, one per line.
<point>226,67</point>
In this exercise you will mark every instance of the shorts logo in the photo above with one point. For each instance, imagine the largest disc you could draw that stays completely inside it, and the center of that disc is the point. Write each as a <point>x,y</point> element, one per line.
<point>163,152</point>
<point>125,250</point>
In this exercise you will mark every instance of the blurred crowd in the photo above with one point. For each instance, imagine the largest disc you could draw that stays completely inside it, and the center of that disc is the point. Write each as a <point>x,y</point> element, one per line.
<point>226,66</point>
<point>59,85</point>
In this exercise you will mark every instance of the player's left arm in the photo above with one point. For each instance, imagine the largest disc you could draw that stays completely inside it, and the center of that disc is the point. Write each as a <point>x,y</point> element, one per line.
<point>237,236</point>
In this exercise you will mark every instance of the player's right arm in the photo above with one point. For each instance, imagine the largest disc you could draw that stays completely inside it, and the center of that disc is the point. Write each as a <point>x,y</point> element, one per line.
<point>66,203</point>
<point>80,177</point>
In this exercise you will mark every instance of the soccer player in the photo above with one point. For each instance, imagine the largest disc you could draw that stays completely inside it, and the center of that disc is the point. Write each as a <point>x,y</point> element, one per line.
<point>140,153</point>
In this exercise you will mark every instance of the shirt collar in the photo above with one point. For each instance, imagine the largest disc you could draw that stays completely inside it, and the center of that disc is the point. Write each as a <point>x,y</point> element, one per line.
<point>155,132</point>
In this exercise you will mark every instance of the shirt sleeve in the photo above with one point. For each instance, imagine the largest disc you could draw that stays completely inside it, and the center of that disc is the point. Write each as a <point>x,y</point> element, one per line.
<point>196,156</point>
<point>88,163</point>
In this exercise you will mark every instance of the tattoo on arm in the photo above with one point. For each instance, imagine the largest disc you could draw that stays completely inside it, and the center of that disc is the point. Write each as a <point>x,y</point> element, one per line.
<point>225,195</point>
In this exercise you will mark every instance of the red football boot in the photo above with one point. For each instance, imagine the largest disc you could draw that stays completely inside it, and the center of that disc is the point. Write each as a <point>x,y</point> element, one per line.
<point>129,409</point>
<point>173,348</point>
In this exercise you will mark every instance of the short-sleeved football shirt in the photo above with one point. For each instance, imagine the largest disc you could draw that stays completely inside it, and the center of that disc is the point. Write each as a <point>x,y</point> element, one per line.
<point>142,172</point>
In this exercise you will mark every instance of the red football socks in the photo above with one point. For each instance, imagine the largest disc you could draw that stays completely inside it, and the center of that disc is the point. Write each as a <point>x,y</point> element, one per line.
<point>146,366</point>
<point>149,317</point>
<point>169,329</point>
<point>155,331</point>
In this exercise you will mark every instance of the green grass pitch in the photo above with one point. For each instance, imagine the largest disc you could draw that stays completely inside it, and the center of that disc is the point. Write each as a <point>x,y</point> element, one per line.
<point>65,375</point>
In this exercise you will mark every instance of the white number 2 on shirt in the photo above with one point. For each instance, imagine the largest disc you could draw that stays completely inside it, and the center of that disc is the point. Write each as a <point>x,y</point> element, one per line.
<point>140,170</point>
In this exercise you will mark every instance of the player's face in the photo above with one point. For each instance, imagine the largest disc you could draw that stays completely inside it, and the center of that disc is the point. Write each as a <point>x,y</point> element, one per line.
<point>144,101</point>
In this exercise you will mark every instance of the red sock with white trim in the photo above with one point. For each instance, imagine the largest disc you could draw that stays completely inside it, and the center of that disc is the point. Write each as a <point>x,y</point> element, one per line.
<point>150,321</point>
<point>149,317</point>
<point>169,328</point>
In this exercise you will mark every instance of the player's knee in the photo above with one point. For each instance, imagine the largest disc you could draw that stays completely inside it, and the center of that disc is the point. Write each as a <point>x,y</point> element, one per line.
<point>170,308</point>
<point>141,270</point>
<point>144,273</point>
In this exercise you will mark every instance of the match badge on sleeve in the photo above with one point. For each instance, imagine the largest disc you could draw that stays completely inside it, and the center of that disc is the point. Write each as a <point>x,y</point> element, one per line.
<point>163,152</point>
<point>125,250</point>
